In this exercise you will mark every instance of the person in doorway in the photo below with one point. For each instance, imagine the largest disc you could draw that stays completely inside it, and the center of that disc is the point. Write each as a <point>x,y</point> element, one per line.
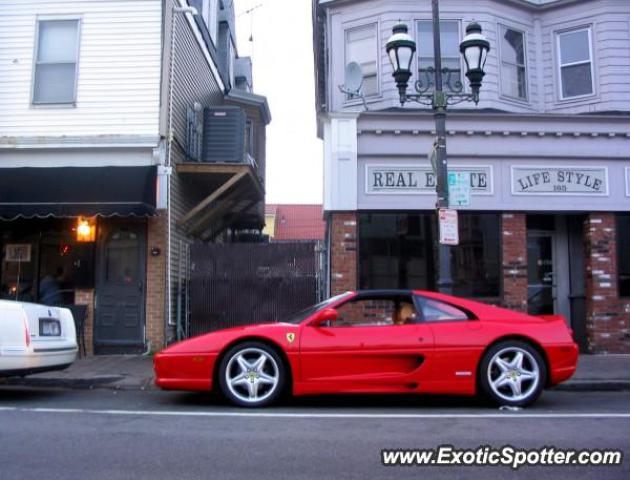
<point>49,288</point>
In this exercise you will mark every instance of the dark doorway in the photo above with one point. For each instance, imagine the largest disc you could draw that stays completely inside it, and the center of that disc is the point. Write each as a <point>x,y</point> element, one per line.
<point>555,269</point>
<point>120,288</point>
<point>541,288</point>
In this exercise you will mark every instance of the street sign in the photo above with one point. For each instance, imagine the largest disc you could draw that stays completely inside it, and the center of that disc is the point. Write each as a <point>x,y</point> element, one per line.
<point>459,189</point>
<point>433,156</point>
<point>449,229</point>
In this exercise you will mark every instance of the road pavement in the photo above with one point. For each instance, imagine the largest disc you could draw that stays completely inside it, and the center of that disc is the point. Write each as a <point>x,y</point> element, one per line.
<point>107,434</point>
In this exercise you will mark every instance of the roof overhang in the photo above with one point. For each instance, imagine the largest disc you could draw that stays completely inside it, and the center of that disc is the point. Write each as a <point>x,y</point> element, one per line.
<point>252,100</point>
<point>536,4</point>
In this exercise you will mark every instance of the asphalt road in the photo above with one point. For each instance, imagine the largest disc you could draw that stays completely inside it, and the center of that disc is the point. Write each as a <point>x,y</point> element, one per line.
<point>83,434</point>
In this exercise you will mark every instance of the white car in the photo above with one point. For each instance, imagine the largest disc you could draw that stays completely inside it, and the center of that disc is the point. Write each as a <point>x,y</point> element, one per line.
<point>35,338</point>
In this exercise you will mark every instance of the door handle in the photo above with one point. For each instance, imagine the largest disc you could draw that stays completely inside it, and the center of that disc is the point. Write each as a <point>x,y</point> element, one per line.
<point>421,339</point>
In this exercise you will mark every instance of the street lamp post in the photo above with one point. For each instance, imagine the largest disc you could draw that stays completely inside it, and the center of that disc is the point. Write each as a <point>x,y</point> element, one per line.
<point>474,48</point>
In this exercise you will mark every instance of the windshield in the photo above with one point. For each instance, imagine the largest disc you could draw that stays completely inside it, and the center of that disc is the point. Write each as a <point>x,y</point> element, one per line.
<point>298,317</point>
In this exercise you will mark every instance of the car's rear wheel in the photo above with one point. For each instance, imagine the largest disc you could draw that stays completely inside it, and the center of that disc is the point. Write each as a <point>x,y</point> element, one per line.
<point>252,374</point>
<point>512,373</point>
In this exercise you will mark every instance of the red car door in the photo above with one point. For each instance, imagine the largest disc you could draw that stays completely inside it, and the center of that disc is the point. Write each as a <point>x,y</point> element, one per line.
<point>365,350</point>
<point>459,341</point>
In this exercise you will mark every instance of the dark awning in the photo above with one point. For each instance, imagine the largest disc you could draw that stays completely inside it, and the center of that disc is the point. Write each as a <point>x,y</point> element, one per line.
<point>77,191</point>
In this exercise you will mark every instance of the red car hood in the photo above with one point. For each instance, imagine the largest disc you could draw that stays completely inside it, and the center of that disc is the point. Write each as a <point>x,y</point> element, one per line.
<point>216,341</point>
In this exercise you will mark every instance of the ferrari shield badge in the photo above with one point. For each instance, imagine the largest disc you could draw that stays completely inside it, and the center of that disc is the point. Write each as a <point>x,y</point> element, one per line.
<point>290,337</point>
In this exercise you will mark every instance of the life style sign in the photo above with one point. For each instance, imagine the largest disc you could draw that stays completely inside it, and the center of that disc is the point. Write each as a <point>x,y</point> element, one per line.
<point>559,180</point>
<point>386,179</point>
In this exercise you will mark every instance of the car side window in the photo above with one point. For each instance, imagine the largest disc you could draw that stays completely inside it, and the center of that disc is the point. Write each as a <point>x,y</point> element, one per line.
<point>370,312</point>
<point>434,310</point>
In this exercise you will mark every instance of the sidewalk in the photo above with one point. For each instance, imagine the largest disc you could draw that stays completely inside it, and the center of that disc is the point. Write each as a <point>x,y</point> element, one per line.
<point>120,372</point>
<point>135,372</point>
<point>600,373</point>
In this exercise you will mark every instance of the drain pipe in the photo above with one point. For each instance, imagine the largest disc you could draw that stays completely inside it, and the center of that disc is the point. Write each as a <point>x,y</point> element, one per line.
<point>169,300</point>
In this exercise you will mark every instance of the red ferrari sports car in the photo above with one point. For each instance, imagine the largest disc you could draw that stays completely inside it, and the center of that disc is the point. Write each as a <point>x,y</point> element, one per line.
<point>386,341</point>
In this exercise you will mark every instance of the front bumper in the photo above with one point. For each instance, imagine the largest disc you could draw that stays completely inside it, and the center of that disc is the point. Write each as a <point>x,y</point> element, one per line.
<point>184,371</point>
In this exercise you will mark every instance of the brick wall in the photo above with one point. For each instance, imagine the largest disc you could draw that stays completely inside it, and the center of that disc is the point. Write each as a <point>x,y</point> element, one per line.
<point>608,316</point>
<point>514,261</point>
<point>86,297</point>
<point>156,280</point>
<point>343,252</point>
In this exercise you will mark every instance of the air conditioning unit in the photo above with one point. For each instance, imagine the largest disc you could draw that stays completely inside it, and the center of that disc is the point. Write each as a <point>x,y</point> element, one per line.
<point>224,135</point>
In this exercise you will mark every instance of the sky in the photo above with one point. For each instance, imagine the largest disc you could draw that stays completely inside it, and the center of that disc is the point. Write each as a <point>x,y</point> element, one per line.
<point>282,56</point>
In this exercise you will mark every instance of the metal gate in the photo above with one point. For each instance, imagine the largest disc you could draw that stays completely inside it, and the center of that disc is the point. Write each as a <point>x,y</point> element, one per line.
<point>248,283</point>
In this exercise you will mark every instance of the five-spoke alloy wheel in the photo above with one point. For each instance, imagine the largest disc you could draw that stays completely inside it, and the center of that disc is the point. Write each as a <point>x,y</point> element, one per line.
<point>512,373</point>
<point>251,374</point>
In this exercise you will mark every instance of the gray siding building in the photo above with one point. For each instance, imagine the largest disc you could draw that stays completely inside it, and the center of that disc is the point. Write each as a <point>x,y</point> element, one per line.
<point>547,150</point>
<point>109,162</point>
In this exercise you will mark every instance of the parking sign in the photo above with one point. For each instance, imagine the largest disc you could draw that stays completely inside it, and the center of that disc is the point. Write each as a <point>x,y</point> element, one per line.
<point>449,228</point>
<point>459,189</point>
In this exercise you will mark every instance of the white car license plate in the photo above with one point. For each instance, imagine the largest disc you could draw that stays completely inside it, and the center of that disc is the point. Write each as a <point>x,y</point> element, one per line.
<point>49,327</point>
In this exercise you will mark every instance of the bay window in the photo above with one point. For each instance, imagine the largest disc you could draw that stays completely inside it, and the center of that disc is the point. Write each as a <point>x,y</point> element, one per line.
<point>449,42</point>
<point>575,63</point>
<point>513,69</point>
<point>361,47</point>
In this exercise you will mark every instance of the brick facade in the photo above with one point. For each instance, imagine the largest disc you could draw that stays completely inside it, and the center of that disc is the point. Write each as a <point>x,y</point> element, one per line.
<point>86,297</point>
<point>343,252</point>
<point>608,316</point>
<point>155,306</point>
<point>156,281</point>
<point>514,261</point>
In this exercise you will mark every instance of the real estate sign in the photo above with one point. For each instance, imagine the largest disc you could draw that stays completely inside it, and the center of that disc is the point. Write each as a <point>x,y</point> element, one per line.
<point>408,179</point>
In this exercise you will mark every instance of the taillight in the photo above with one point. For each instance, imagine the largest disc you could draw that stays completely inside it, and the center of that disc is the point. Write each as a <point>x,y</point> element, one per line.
<point>27,335</point>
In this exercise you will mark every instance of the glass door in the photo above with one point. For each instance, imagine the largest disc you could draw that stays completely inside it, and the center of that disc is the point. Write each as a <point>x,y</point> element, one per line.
<point>541,285</point>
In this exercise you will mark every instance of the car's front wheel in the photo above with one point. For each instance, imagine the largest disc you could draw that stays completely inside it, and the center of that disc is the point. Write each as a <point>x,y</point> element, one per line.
<point>512,373</point>
<point>252,374</point>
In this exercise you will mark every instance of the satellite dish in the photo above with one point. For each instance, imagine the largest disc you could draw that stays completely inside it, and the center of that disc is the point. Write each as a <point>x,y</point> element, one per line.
<point>353,82</point>
<point>353,77</point>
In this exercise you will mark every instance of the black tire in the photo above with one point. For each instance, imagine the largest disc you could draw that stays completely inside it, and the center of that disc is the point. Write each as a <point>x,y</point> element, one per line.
<point>277,363</point>
<point>498,396</point>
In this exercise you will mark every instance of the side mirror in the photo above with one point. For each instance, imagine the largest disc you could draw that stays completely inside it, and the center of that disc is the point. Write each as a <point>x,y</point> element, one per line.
<point>323,316</point>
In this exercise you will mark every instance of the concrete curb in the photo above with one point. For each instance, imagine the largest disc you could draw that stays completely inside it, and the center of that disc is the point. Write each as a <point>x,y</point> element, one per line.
<point>594,386</point>
<point>119,382</point>
<point>111,382</point>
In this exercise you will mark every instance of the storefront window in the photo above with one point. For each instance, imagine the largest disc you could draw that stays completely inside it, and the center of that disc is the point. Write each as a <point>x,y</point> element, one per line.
<point>476,260</point>
<point>396,251</point>
<point>19,267</point>
<point>623,254</point>
<point>399,250</point>
<point>42,262</point>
